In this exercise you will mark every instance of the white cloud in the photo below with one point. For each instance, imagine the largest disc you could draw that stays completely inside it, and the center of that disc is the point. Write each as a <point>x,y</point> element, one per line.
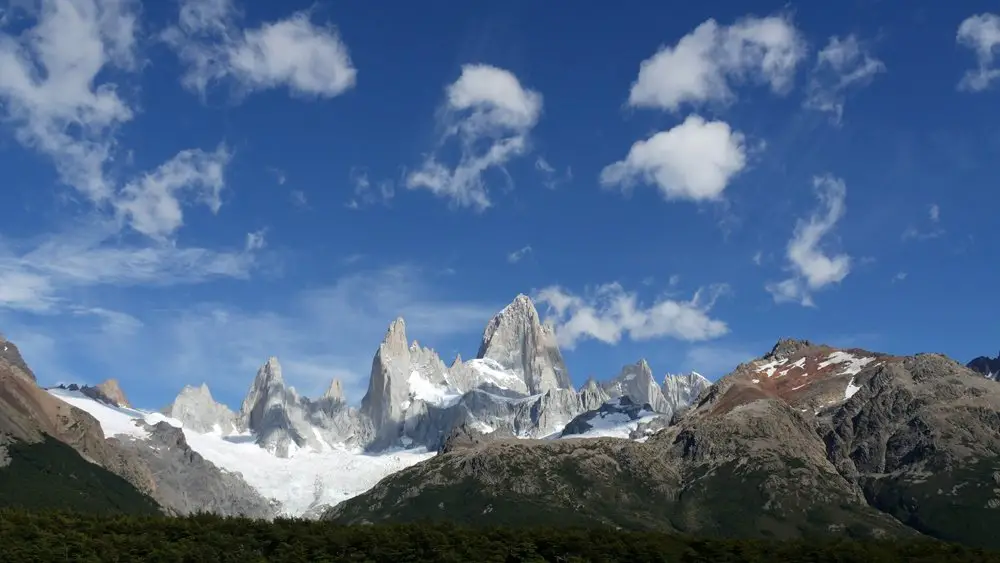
<point>308,59</point>
<point>934,211</point>
<point>256,240</point>
<point>365,194</point>
<point>327,332</point>
<point>758,258</point>
<point>152,205</point>
<point>812,269</point>
<point>841,65</point>
<point>704,64</point>
<point>519,254</point>
<point>694,161</point>
<point>50,89</point>
<point>981,33</point>
<point>610,313</point>
<point>491,114</point>
<point>900,276</point>
<point>43,275</point>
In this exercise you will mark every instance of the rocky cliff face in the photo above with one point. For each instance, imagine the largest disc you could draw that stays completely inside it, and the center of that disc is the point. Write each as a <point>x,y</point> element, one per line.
<point>29,414</point>
<point>807,440</point>
<point>636,382</point>
<point>989,367</point>
<point>681,390</point>
<point>197,410</point>
<point>516,339</point>
<point>187,483</point>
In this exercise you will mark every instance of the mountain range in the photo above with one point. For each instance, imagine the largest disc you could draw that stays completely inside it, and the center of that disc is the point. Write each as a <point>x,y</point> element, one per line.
<point>807,440</point>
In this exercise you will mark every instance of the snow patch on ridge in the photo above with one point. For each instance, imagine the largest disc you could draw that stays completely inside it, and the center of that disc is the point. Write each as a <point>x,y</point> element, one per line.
<point>299,482</point>
<point>438,395</point>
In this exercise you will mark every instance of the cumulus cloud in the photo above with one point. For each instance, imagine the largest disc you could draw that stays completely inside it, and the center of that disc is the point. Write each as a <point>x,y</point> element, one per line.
<point>705,64</point>
<point>694,161</point>
<point>610,312</point>
<point>812,268</point>
<point>491,114</point>
<point>981,33</point>
<point>842,65</point>
<point>308,59</point>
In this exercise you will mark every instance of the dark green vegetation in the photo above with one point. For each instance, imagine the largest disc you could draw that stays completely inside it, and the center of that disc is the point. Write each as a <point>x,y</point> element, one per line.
<point>50,475</point>
<point>60,536</point>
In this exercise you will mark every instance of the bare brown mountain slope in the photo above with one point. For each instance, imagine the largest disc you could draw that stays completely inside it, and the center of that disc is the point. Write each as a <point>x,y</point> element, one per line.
<point>807,440</point>
<point>28,414</point>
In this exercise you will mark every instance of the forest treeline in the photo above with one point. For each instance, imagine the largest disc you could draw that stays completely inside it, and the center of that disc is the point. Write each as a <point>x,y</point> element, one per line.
<point>65,536</point>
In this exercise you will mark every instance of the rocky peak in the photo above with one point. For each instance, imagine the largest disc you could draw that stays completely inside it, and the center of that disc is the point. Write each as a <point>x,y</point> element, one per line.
<point>10,353</point>
<point>636,382</point>
<point>786,347</point>
<point>516,339</point>
<point>335,391</point>
<point>111,392</point>
<point>267,389</point>
<point>989,367</point>
<point>198,411</point>
<point>681,390</point>
<point>592,396</point>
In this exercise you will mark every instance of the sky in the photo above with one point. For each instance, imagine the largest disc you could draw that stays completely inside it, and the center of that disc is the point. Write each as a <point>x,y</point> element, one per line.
<point>189,187</point>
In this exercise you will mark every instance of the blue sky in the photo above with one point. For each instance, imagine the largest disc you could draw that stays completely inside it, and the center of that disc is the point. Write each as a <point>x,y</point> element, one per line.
<point>189,187</point>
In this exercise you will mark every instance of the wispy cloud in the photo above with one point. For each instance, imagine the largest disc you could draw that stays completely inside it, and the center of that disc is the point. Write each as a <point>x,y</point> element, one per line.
<point>551,178</point>
<point>932,229</point>
<point>365,194</point>
<point>318,334</point>
<point>812,268</point>
<point>519,254</point>
<point>843,65</point>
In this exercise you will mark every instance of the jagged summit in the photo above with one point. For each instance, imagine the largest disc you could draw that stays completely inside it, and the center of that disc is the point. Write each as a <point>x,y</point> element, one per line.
<point>636,381</point>
<point>989,367</point>
<point>111,392</point>
<point>335,391</point>
<point>516,339</point>
<point>786,347</point>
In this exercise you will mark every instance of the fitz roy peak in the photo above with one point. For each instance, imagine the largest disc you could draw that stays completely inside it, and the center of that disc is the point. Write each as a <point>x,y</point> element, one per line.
<point>517,385</point>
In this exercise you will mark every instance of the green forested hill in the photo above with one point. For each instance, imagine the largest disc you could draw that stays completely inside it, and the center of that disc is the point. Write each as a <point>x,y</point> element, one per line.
<point>51,536</point>
<point>51,475</point>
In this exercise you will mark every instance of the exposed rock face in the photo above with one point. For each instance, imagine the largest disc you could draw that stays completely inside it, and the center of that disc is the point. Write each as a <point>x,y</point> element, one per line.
<point>682,390</point>
<point>197,410</point>
<point>282,421</point>
<point>28,413</point>
<point>335,392</point>
<point>636,382</point>
<point>10,354</point>
<point>187,483</point>
<point>990,367</point>
<point>108,392</point>
<point>592,396</point>
<point>516,339</point>
<point>808,440</point>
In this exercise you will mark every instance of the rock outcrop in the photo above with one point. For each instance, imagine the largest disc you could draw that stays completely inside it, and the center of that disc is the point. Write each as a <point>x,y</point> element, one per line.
<point>989,367</point>
<point>187,483</point>
<point>682,390</point>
